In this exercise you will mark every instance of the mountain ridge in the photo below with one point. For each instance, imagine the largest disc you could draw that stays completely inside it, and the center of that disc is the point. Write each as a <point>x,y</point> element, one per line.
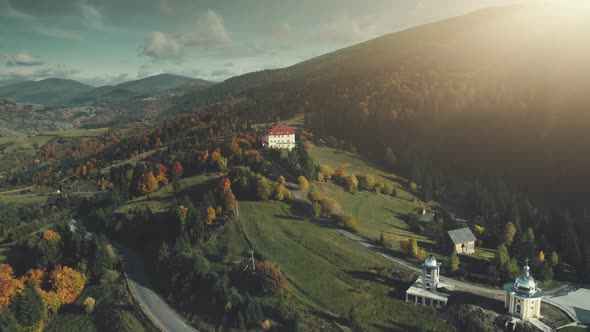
<point>67,92</point>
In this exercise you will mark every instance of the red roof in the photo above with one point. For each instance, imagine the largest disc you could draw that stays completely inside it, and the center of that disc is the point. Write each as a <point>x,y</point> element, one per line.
<point>281,129</point>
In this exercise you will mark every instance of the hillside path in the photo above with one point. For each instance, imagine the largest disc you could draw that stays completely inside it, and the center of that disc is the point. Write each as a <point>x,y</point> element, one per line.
<point>150,302</point>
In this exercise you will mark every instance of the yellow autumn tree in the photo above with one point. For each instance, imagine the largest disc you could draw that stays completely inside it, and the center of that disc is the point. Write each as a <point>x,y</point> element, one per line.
<point>541,257</point>
<point>67,283</point>
<point>147,184</point>
<point>9,285</point>
<point>182,214</point>
<point>210,216</point>
<point>51,299</point>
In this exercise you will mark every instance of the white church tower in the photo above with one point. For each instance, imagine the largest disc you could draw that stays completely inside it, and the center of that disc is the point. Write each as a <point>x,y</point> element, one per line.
<point>430,273</point>
<point>523,298</point>
<point>424,291</point>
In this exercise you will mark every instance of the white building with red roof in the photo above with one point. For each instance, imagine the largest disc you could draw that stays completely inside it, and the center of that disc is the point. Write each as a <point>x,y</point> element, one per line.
<point>279,137</point>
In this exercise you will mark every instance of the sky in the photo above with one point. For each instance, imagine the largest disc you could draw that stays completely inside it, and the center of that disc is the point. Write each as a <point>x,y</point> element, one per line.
<point>100,42</point>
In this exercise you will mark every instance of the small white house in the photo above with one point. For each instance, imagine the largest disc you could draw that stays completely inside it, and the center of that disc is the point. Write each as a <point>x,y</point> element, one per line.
<point>279,137</point>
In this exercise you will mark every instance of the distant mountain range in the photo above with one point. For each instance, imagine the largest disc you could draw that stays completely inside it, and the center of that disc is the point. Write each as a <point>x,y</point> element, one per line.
<point>63,92</point>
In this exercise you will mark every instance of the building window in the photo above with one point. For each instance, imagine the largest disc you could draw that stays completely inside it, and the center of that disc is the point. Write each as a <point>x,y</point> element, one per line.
<point>518,308</point>
<point>427,302</point>
<point>429,273</point>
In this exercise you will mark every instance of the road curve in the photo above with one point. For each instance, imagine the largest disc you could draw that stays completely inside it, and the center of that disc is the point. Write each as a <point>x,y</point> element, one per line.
<point>150,302</point>
<point>493,293</point>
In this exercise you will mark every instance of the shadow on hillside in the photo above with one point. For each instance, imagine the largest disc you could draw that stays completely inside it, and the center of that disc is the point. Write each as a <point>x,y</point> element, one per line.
<point>459,297</point>
<point>398,326</point>
<point>328,317</point>
<point>397,181</point>
<point>399,287</point>
<point>288,217</point>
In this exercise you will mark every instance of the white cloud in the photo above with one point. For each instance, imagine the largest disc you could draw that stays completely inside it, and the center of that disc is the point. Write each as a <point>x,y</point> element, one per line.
<point>60,33</point>
<point>165,8</point>
<point>21,74</point>
<point>91,14</point>
<point>344,29</point>
<point>105,80</point>
<point>228,64</point>
<point>23,58</point>
<point>208,30</point>
<point>217,73</point>
<point>282,32</point>
<point>159,46</point>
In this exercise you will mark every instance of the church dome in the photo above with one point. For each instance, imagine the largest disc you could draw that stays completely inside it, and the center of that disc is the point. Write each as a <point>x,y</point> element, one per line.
<point>430,261</point>
<point>525,283</point>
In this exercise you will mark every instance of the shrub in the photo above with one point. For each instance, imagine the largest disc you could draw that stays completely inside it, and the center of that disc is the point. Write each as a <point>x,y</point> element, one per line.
<point>271,278</point>
<point>109,277</point>
<point>366,182</point>
<point>388,189</point>
<point>330,207</point>
<point>348,222</point>
<point>89,303</point>
<point>114,319</point>
<point>317,209</point>
<point>325,173</point>
<point>351,183</point>
<point>303,184</point>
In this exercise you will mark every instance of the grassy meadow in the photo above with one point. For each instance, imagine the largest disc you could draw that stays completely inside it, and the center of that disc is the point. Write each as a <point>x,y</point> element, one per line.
<point>379,214</point>
<point>329,271</point>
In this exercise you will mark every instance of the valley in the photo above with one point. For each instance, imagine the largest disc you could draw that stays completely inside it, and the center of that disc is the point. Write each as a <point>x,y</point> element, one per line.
<point>429,179</point>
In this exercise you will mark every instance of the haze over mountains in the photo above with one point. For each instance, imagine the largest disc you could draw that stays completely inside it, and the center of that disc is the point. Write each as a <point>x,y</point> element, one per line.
<point>64,92</point>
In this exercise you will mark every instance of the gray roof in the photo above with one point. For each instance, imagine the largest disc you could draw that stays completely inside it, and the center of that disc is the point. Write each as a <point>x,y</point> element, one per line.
<point>461,235</point>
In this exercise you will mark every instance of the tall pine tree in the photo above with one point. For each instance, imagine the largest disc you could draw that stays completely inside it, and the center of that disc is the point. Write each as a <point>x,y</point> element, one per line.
<point>28,306</point>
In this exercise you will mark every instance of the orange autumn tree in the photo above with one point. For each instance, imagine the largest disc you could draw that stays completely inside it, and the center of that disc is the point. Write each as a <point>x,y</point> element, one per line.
<point>147,184</point>
<point>51,236</point>
<point>9,285</point>
<point>225,185</point>
<point>216,155</point>
<point>67,283</point>
<point>34,276</point>
<point>177,169</point>
<point>162,175</point>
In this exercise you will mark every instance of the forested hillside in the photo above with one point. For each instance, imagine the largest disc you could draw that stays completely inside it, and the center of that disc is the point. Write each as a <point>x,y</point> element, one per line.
<point>483,111</point>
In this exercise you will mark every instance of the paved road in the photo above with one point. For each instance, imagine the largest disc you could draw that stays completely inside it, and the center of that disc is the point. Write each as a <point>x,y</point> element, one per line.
<point>150,302</point>
<point>494,293</point>
<point>452,284</point>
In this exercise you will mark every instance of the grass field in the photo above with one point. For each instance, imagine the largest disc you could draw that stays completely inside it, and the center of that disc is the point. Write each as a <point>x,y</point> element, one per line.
<point>76,132</point>
<point>380,214</point>
<point>375,213</point>
<point>575,329</point>
<point>6,132</point>
<point>24,144</point>
<point>329,271</point>
<point>24,199</point>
